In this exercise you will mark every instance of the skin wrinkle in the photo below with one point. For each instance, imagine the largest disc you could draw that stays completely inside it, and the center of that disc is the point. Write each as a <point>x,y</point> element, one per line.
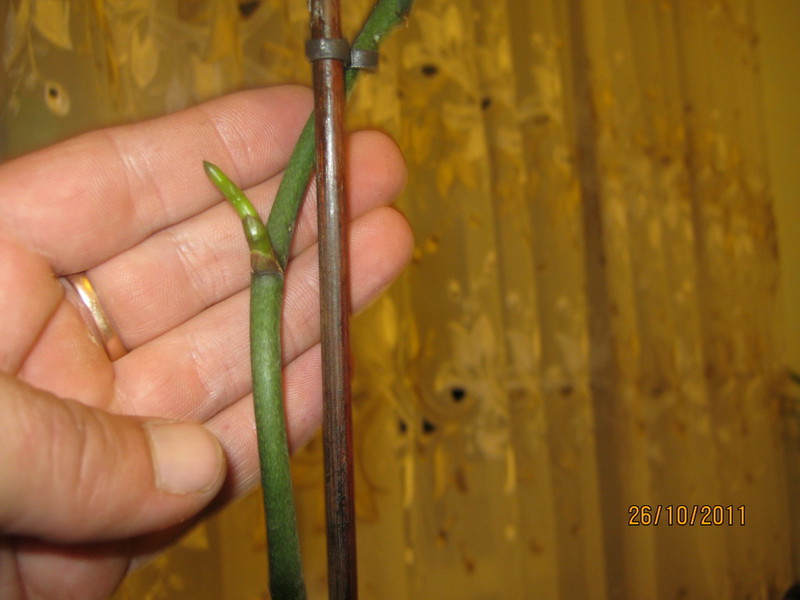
<point>298,297</point>
<point>134,392</point>
<point>215,386</point>
<point>229,133</point>
<point>43,208</point>
<point>21,421</point>
<point>187,256</point>
<point>204,364</point>
<point>187,341</point>
<point>306,223</point>
<point>150,256</point>
<point>279,147</point>
<point>128,281</point>
<point>45,322</point>
<point>233,160</point>
<point>131,168</point>
<point>86,494</point>
<point>278,150</point>
<point>71,432</point>
<point>168,216</point>
<point>84,372</point>
<point>190,404</point>
<point>28,425</point>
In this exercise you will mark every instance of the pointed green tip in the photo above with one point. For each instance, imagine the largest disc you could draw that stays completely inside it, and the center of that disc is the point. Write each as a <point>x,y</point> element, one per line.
<point>223,183</point>
<point>211,169</point>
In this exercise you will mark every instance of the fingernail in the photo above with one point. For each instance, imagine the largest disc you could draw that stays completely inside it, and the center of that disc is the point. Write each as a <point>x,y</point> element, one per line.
<point>186,458</point>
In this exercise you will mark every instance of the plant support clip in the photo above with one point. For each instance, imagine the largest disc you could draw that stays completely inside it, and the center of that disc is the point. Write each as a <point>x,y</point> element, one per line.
<point>339,49</point>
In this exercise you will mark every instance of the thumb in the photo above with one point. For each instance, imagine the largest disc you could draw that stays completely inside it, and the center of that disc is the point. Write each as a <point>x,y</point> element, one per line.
<point>72,473</point>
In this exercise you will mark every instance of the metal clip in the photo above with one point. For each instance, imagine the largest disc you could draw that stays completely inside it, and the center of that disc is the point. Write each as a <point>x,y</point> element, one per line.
<point>328,48</point>
<point>339,49</point>
<point>363,59</point>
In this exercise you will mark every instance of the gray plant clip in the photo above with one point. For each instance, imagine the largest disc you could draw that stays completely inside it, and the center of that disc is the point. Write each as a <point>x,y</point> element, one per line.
<point>339,49</point>
<point>363,59</point>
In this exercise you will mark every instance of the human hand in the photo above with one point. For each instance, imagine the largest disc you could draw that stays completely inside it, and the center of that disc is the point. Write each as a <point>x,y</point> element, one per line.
<point>99,463</point>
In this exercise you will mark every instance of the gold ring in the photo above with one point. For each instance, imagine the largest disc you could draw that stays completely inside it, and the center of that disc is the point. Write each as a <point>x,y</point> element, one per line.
<point>100,327</point>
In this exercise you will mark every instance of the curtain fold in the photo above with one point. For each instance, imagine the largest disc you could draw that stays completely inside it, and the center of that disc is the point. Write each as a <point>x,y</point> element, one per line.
<point>587,326</point>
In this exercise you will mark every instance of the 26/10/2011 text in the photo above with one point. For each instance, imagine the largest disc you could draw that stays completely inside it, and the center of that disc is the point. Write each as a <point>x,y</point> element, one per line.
<point>704,515</point>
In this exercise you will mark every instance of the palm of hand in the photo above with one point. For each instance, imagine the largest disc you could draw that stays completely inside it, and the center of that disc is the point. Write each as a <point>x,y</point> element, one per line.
<point>132,208</point>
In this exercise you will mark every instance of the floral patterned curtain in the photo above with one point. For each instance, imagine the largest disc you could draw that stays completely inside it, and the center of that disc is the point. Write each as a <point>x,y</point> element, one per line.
<point>586,330</point>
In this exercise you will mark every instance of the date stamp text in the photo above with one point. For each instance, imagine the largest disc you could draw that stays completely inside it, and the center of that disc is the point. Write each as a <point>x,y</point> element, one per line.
<point>702,515</point>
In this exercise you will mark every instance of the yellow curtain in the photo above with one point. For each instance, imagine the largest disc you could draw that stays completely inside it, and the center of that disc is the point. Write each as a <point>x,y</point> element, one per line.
<point>587,326</point>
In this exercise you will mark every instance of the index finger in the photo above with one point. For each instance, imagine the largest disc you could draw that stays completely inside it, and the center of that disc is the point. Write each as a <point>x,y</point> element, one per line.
<point>85,200</point>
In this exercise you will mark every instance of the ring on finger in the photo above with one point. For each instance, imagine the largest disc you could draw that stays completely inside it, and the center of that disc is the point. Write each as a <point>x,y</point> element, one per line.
<point>99,325</point>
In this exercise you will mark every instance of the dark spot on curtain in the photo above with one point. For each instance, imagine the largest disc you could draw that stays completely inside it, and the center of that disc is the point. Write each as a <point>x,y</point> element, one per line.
<point>248,7</point>
<point>428,426</point>
<point>458,394</point>
<point>429,70</point>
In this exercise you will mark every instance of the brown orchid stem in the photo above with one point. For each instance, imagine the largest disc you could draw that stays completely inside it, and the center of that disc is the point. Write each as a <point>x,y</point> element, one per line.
<point>329,100</point>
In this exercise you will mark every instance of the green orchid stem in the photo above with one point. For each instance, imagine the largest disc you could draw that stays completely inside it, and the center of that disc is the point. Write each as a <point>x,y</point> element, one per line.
<point>269,250</point>
<point>266,296</point>
<point>283,547</point>
<point>386,15</point>
<point>262,255</point>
